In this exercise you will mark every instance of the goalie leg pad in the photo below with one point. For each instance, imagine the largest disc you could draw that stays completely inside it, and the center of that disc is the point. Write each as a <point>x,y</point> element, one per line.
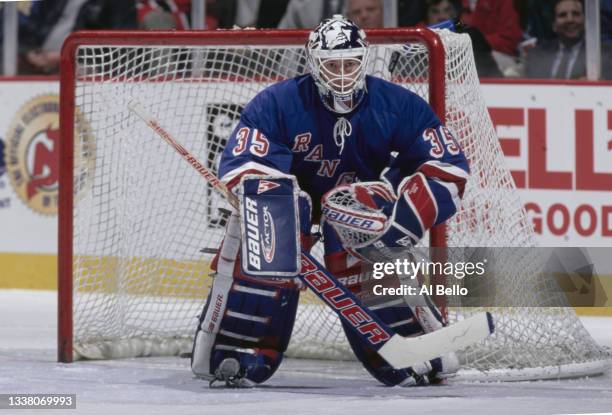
<point>247,320</point>
<point>255,324</point>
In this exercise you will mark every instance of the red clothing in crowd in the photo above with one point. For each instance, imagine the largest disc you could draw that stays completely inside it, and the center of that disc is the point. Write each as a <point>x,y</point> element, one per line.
<point>211,21</point>
<point>498,21</point>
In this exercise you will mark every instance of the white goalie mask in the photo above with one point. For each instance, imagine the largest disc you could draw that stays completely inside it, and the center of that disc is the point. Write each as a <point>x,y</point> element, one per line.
<point>337,53</point>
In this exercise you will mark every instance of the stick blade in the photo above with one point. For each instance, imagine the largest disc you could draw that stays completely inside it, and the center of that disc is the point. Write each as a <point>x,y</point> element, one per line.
<point>402,352</point>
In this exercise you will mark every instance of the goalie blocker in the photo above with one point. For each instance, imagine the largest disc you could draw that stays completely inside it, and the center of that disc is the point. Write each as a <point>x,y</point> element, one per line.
<point>270,226</point>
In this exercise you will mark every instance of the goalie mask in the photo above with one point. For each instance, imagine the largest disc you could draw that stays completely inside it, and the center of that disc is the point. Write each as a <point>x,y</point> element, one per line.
<point>337,53</point>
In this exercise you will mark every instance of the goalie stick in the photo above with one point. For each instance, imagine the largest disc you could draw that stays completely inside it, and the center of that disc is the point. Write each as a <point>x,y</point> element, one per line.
<point>400,352</point>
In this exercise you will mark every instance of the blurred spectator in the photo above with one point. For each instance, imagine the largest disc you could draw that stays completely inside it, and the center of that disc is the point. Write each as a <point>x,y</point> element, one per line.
<point>185,5</point>
<point>521,9</point>
<point>248,62</point>
<point>498,20</point>
<point>23,13</point>
<point>263,14</point>
<point>50,22</point>
<point>410,12</point>
<point>367,14</point>
<point>540,19</point>
<point>307,14</point>
<point>216,10</point>
<point>565,56</point>
<point>161,15</point>
<point>440,10</point>
<point>541,16</point>
<point>606,21</point>
<point>267,14</point>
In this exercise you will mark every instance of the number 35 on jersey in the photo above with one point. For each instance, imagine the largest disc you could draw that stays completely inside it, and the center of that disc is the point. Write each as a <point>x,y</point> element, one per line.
<point>253,140</point>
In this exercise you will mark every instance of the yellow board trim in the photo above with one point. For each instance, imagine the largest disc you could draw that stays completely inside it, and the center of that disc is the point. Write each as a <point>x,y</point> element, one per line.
<point>594,311</point>
<point>146,276</point>
<point>28,271</point>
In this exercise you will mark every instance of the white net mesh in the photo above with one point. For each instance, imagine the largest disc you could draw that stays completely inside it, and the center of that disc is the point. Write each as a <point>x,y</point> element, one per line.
<point>142,216</point>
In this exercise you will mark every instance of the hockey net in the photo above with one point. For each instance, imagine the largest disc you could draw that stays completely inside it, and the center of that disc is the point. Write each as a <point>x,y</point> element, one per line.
<point>138,226</point>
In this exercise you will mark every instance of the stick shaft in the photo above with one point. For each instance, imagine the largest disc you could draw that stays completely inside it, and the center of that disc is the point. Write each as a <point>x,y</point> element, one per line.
<point>210,176</point>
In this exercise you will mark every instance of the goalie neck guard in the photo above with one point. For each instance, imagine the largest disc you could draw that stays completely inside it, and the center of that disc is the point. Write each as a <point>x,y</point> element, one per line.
<point>337,53</point>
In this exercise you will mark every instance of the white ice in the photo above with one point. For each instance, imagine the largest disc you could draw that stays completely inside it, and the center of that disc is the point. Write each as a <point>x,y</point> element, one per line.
<point>165,385</point>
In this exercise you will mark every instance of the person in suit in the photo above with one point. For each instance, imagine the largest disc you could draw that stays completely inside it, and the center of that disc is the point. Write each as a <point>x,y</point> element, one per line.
<point>367,14</point>
<point>565,56</point>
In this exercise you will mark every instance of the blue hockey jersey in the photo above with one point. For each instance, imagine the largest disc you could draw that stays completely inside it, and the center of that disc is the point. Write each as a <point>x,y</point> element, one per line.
<point>287,129</point>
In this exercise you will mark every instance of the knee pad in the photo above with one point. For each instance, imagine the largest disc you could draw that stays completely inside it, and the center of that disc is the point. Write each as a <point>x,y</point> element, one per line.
<point>249,321</point>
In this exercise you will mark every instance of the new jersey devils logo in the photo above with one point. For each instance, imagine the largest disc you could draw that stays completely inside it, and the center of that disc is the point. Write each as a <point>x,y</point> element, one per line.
<point>32,153</point>
<point>45,156</point>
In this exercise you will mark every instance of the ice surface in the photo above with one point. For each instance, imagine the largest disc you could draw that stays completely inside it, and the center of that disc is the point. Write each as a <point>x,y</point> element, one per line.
<point>165,385</point>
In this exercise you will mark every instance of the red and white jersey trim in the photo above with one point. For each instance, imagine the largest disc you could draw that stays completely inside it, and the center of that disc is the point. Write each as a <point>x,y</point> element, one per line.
<point>420,198</point>
<point>453,190</point>
<point>445,172</point>
<point>232,177</point>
